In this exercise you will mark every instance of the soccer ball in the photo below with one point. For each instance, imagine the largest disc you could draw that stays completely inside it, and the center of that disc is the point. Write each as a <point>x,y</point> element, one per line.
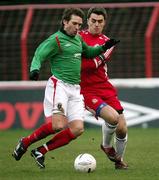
<point>85,163</point>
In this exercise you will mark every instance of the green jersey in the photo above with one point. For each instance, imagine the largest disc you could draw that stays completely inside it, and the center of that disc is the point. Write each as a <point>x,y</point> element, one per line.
<point>64,53</point>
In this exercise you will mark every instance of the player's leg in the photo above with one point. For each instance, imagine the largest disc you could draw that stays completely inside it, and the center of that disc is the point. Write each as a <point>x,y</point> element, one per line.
<point>110,116</point>
<point>75,111</point>
<point>40,133</point>
<point>121,136</point>
<point>121,133</point>
<point>43,131</point>
<point>63,137</point>
<point>121,141</point>
<point>52,124</point>
<point>60,139</point>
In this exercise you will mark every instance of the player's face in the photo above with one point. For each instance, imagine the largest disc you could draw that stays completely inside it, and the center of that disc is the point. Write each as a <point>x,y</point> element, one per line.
<point>96,24</point>
<point>73,25</point>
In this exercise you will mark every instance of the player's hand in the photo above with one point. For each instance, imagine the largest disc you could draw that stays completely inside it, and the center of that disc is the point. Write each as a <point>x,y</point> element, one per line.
<point>34,75</point>
<point>110,43</point>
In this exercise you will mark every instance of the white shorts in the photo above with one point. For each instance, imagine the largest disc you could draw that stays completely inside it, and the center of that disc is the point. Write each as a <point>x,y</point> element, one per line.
<point>63,98</point>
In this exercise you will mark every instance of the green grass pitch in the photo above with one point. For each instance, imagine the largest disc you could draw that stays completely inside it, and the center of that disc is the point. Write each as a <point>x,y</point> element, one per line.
<point>142,156</point>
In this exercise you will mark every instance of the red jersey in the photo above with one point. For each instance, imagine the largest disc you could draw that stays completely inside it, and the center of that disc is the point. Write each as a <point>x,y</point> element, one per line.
<point>94,76</point>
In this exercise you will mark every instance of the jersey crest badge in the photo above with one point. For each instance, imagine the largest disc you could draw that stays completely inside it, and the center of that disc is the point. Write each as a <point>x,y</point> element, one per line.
<point>94,101</point>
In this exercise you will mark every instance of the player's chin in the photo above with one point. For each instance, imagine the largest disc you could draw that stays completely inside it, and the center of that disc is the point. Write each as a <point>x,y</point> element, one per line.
<point>74,33</point>
<point>97,30</point>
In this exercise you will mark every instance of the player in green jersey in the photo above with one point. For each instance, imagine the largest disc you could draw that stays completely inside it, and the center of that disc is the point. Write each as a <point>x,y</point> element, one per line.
<point>63,103</point>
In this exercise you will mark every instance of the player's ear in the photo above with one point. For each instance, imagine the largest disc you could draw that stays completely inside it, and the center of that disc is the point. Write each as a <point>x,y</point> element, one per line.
<point>87,21</point>
<point>64,22</point>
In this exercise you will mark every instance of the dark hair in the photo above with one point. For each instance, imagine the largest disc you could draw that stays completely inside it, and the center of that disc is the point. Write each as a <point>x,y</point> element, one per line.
<point>72,11</point>
<point>98,10</point>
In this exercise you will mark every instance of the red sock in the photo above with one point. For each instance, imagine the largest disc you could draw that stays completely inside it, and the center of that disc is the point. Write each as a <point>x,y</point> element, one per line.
<point>61,139</point>
<point>40,133</point>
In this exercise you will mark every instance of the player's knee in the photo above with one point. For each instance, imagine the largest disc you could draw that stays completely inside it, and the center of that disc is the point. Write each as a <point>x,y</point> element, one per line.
<point>59,122</point>
<point>79,132</point>
<point>114,118</point>
<point>110,115</point>
<point>122,135</point>
<point>121,131</point>
<point>77,129</point>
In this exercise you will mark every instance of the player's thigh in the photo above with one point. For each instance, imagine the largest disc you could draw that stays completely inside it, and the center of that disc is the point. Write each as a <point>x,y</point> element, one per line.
<point>114,103</point>
<point>109,114</point>
<point>55,100</point>
<point>99,107</point>
<point>59,122</point>
<point>75,107</point>
<point>92,102</point>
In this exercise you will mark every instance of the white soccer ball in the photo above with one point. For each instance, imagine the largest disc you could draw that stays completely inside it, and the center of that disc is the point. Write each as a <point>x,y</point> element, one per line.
<point>85,163</point>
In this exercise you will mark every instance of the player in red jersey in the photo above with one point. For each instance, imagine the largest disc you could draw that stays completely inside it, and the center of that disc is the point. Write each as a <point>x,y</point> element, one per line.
<point>99,94</point>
